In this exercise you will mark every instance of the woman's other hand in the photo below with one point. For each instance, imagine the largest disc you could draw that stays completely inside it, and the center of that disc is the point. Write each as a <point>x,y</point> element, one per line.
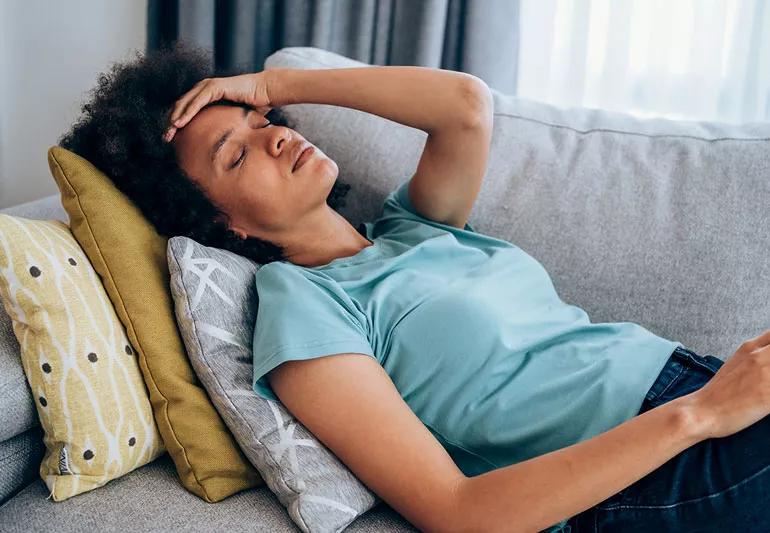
<point>249,88</point>
<point>738,395</point>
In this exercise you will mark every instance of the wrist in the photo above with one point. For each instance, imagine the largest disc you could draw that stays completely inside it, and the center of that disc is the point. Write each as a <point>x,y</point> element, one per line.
<point>275,86</point>
<point>692,419</point>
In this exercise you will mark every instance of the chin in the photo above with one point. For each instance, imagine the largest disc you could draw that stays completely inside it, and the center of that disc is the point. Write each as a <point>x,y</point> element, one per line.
<point>331,169</point>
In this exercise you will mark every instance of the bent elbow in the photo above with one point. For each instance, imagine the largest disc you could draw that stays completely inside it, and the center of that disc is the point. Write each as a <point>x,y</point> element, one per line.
<point>478,102</point>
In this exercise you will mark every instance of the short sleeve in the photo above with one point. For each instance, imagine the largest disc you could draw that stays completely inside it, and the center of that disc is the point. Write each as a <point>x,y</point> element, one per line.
<point>302,315</point>
<point>398,203</point>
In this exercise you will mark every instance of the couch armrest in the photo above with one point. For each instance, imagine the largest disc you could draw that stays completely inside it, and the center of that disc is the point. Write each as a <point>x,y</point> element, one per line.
<point>46,208</point>
<point>20,459</point>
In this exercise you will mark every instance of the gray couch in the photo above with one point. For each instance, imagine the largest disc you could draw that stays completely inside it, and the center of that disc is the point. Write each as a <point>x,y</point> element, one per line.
<point>663,223</point>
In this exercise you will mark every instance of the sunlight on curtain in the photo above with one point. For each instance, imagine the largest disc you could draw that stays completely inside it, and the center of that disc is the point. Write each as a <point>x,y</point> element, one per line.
<point>678,59</point>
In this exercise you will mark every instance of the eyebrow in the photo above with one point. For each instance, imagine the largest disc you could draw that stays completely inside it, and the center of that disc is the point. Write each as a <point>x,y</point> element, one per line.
<point>226,135</point>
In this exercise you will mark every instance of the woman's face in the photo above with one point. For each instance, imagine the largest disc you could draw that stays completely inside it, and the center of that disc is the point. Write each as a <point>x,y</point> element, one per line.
<point>250,175</point>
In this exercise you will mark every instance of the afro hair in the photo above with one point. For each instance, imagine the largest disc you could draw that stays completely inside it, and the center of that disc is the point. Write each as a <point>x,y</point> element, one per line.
<point>120,132</point>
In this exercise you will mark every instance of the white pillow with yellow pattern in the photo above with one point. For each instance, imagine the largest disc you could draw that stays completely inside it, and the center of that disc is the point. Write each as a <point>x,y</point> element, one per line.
<point>84,375</point>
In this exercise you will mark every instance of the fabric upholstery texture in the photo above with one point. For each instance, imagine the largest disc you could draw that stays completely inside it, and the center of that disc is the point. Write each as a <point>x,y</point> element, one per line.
<point>151,500</point>
<point>216,304</point>
<point>83,373</point>
<point>18,412</point>
<point>20,457</point>
<point>130,257</point>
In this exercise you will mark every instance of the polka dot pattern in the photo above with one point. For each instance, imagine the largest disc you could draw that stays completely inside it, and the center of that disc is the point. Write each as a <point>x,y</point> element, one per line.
<point>88,393</point>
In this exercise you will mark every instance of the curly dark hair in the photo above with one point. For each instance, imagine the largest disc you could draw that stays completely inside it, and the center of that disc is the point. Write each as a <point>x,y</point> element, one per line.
<point>120,133</point>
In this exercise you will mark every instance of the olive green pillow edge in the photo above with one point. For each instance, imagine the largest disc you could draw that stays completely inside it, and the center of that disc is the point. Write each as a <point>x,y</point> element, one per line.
<point>212,468</point>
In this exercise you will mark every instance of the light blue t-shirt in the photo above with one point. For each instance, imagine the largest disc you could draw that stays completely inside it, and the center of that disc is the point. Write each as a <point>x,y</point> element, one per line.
<point>470,330</point>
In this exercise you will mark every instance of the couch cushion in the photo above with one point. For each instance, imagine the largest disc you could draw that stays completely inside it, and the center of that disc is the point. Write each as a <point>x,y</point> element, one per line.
<point>89,393</point>
<point>17,409</point>
<point>151,499</point>
<point>215,298</point>
<point>130,257</point>
<point>659,222</point>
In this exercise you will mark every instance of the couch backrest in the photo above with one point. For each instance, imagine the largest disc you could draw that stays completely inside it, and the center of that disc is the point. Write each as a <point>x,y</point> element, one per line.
<point>659,222</point>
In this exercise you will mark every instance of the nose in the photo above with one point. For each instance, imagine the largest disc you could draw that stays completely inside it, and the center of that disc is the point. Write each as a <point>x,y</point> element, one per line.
<point>280,140</point>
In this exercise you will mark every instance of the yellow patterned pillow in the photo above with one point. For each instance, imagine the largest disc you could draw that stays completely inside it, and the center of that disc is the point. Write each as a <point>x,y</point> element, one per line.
<point>83,373</point>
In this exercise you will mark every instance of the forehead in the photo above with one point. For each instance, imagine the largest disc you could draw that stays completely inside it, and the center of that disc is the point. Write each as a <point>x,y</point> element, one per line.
<point>195,140</point>
<point>210,121</point>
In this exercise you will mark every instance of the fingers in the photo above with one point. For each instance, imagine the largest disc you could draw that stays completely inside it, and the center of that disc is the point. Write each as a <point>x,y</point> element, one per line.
<point>169,134</point>
<point>185,108</point>
<point>205,96</point>
<point>759,341</point>
<point>181,104</point>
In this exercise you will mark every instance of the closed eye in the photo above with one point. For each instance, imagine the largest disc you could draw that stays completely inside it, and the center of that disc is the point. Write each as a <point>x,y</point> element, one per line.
<point>238,162</point>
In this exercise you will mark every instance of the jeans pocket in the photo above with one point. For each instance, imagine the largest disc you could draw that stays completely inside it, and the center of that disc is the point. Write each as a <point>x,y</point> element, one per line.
<point>690,374</point>
<point>708,363</point>
<point>672,371</point>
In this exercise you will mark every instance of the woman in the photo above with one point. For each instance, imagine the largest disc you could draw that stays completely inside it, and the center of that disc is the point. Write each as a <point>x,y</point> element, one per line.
<point>463,391</point>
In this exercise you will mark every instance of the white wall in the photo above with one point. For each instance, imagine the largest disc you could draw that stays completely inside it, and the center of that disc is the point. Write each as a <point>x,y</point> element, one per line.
<point>51,52</point>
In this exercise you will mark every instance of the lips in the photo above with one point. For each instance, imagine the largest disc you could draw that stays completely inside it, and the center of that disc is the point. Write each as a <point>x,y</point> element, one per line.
<point>302,147</point>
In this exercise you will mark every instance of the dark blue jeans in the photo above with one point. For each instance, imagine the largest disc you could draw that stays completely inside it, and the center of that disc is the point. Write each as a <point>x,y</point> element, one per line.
<point>715,485</point>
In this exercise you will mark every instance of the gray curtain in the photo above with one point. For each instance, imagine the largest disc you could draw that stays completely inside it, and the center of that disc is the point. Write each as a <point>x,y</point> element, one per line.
<point>479,37</point>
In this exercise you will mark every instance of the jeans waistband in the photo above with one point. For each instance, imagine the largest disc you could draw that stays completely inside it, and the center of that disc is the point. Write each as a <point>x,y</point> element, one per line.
<point>681,359</point>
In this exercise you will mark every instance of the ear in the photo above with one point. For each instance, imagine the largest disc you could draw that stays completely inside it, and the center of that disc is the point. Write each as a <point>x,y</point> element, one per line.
<point>222,219</point>
<point>242,234</point>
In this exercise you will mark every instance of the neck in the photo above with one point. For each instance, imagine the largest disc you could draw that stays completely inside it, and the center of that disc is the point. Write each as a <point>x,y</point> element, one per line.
<point>342,241</point>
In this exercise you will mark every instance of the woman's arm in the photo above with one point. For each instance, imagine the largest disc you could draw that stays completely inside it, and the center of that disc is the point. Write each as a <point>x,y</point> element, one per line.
<point>537,493</point>
<point>421,97</point>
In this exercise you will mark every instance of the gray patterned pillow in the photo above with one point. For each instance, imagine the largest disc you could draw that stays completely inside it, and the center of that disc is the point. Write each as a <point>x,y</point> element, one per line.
<point>215,300</point>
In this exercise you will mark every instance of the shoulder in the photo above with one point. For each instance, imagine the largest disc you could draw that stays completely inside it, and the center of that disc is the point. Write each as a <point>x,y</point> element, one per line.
<point>398,204</point>
<point>279,276</point>
<point>285,281</point>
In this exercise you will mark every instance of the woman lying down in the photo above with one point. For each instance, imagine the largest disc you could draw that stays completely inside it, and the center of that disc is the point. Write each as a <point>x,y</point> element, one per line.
<point>438,363</point>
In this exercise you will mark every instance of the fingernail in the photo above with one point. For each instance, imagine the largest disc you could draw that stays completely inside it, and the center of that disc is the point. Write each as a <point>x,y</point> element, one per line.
<point>177,122</point>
